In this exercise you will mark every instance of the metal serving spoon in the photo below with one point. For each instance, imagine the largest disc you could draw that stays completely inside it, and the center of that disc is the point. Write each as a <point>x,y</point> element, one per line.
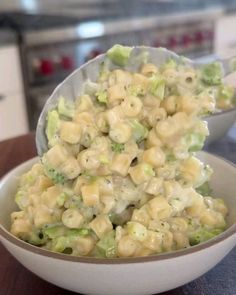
<point>73,85</point>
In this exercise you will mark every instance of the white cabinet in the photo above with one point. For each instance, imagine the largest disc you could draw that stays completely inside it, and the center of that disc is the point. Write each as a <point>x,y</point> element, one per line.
<point>225,41</point>
<point>10,73</point>
<point>13,116</point>
<point>13,119</point>
<point>225,37</point>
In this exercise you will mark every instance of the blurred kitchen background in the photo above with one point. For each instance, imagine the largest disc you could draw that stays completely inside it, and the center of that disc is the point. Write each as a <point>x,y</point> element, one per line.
<point>42,41</point>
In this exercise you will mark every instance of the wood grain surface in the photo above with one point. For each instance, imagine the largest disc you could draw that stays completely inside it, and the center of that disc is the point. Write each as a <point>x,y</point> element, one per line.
<point>17,280</point>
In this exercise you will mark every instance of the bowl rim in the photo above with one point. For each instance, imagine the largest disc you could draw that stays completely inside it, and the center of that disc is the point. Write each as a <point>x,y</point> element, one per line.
<point>110,261</point>
<point>230,110</point>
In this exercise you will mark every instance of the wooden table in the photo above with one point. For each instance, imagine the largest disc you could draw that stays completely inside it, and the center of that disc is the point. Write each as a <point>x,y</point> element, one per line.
<point>17,280</point>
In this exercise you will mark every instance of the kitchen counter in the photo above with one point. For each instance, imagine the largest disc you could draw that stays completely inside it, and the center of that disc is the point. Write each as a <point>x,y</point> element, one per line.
<point>17,280</point>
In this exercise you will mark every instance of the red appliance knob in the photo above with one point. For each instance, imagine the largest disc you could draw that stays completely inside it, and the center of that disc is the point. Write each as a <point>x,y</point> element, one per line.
<point>67,63</point>
<point>46,67</point>
<point>199,37</point>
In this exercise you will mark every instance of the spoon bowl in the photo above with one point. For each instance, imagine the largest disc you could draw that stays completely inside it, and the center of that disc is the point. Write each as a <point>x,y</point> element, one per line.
<point>73,85</point>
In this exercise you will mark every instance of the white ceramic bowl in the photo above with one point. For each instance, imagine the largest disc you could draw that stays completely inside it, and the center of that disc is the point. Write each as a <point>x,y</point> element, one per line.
<point>219,124</point>
<point>143,275</point>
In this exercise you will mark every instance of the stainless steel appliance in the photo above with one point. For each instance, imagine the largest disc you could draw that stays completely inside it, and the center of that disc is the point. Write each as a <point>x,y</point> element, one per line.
<point>49,55</point>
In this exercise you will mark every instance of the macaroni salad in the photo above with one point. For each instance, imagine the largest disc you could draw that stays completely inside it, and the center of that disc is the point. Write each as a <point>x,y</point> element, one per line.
<point>120,177</point>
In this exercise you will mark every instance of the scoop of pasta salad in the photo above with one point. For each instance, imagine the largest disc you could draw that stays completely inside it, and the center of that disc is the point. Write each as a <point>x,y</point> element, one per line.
<point>120,177</point>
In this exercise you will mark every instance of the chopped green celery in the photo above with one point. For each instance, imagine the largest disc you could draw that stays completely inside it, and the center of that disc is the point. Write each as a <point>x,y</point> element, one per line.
<point>119,54</point>
<point>96,253</point>
<point>75,232</point>
<point>204,189</point>
<point>194,141</point>
<point>61,199</point>
<point>66,108</point>
<point>53,174</point>
<point>52,126</point>
<point>202,94</point>
<point>101,96</point>
<point>225,92</point>
<point>157,86</point>
<point>21,199</point>
<point>211,74</point>
<point>137,230</point>
<point>148,169</point>
<point>117,147</point>
<point>202,235</point>
<point>54,230</point>
<point>139,132</point>
<point>107,245</point>
<point>59,244</point>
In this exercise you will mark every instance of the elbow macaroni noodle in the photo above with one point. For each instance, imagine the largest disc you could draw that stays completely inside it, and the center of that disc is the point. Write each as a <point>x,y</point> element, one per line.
<point>121,179</point>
